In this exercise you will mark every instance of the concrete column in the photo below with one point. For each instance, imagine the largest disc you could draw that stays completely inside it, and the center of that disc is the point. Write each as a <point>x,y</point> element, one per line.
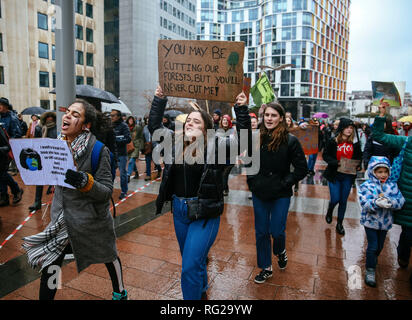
<point>65,64</point>
<point>300,110</point>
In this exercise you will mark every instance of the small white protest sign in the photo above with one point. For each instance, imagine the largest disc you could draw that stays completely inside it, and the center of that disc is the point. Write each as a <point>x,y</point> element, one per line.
<point>43,162</point>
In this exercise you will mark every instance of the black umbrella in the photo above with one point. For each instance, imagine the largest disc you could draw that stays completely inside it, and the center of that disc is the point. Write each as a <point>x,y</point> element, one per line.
<point>92,93</point>
<point>33,110</point>
<point>173,114</point>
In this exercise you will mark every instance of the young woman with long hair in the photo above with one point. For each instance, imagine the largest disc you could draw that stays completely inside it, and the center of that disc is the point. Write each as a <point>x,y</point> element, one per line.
<point>272,187</point>
<point>344,145</point>
<point>81,222</point>
<point>200,183</point>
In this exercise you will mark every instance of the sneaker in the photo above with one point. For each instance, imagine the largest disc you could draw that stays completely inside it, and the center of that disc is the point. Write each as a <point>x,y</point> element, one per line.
<point>340,229</point>
<point>136,176</point>
<point>370,277</point>
<point>402,263</point>
<point>17,197</point>
<point>263,276</point>
<point>120,296</point>
<point>122,196</point>
<point>282,260</point>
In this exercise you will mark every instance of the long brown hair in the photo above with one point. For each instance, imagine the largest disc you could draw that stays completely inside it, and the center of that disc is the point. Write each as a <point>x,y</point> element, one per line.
<point>339,138</point>
<point>279,135</point>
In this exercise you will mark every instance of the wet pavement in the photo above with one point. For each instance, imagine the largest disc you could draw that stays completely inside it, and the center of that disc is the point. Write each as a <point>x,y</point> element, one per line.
<point>321,262</point>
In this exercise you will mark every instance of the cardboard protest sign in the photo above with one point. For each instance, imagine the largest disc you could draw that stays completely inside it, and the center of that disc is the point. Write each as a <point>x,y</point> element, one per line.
<point>205,70</point>
<point>43,161</point>
<point>308,138</point>
<point>348,166</point>
<point>262,91</point>
<point>391,93</point>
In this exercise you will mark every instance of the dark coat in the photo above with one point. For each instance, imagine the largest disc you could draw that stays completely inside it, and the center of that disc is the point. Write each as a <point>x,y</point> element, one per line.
<point>211,188</point>
<point>330,156</point>
<point>275,180</point>
<point>374,148</point>
<point>123,137</point>
<point>4,150</point>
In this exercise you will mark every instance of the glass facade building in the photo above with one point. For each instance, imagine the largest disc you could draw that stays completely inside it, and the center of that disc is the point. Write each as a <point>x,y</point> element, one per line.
<point>312,35</point>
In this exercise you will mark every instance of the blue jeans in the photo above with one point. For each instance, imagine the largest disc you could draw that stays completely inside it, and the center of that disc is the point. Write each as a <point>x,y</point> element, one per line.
<point>376,241</point>
<point>270,220</point>
<point>405,244</point>
<point>123,173</point>
<point>195,240</point>
<point>7,180</point>
<point>148,158</point>
<point>132,167</point>
<point>312,161</point>
<point>339,193</point>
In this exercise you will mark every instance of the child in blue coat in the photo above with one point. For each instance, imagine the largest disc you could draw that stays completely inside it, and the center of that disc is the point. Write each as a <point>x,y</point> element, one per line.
<point>379,196</point>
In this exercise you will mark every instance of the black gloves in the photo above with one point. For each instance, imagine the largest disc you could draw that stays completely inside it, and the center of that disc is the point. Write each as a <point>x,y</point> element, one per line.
<point>76,179</point>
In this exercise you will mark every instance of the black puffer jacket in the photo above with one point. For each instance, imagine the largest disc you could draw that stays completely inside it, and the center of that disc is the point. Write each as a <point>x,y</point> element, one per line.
<point>211,187</point>
<point>274,180</point>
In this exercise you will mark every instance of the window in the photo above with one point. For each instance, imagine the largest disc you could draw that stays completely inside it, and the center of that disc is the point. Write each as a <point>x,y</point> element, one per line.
<point>43,50</point>
<point>1,42</point>
<point>44,79</point>
<point>253,14</point>
<point>90,81</point>
<point>89,10</point>
<point>54,79</point>
<point>89,59</point>
<point>78,31</point>
<point>78,6</point>
<point>237,16</point>
<point>79,80</point>
<point>79,57</point>
<point>45,104</point>
<point>53,52</point>
<point>1,75</point>
<point>280,6</point>
<point>288,33</point>
<point>89,35</point>
<point>42,21</point>
<point>289,19</point>
<point>300,5</point>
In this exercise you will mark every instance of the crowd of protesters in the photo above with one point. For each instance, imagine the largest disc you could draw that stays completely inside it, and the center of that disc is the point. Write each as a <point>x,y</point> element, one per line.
<point>382,152</point>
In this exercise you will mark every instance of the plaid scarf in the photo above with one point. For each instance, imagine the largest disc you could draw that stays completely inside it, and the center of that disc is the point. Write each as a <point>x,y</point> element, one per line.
<point>45,247</point>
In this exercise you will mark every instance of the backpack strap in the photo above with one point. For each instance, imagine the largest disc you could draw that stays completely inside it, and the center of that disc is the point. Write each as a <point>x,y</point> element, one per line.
<point>97,149</point>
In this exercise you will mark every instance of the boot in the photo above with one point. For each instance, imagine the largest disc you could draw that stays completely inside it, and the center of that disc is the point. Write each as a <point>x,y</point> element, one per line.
<point>370,277</point>
<point>37,199</point>
<point>17,197</point>
<point>340,229</point>
<point>329,214</point>
<point>4,200</point>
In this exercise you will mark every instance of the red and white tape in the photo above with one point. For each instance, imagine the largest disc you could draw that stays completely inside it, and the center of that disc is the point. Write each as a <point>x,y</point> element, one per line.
<point>116,204</point>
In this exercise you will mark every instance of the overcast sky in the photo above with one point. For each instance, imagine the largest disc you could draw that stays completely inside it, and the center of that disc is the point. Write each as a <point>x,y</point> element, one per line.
<point>380,46</point>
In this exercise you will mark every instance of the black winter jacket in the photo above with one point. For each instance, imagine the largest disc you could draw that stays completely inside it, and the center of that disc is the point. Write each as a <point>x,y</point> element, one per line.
<point>211,187</point>
<point>274,180</point>
<point>374,148</point>
<point>123,137</point>
<point>329,155</point>
<point>4,150</point>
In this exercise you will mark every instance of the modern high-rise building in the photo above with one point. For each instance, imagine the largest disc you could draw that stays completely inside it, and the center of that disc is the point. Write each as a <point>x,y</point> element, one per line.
<point>27,50</point>
<point>312,35</point>
<point>141,24</point>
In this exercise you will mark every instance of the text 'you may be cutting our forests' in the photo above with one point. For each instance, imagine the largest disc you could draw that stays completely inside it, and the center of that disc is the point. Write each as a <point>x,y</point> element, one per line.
<point>208,70</point>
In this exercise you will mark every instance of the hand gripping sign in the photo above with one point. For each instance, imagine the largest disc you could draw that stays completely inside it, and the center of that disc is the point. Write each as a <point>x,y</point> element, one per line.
<point>42,161</point>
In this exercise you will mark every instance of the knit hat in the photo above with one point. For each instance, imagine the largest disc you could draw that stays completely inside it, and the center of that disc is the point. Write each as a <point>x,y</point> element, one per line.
<point>218,112</point>
<point>343,124</point>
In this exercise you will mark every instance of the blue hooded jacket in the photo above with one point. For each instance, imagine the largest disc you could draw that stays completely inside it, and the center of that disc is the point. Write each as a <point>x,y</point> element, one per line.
<point>372,216</point>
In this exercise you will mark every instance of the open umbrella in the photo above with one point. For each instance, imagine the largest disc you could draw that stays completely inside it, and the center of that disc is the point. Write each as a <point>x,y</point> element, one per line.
<point>89,92</point>
<point>321,115</point>
<point>173,114</point>
<point>108,107</point>
<point>406,119</point>
<point>33,110</point>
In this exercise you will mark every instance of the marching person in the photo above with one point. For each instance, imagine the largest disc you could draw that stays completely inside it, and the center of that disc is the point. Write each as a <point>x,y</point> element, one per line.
<point>189,184</point>
<point>148,146</point>
<point>136,131</point>
<point>343,145</point>
<point>227,126</point>
<point>379,197</point>
<point>404,216</point>
<point>81,222</point>
<point>34,129</point>
<point>122,133</point>
<point>272,187</point>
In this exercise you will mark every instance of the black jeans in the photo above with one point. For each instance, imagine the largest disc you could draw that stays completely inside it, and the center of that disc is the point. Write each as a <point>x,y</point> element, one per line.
<point>405,244</point>
<point>47,293</point>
